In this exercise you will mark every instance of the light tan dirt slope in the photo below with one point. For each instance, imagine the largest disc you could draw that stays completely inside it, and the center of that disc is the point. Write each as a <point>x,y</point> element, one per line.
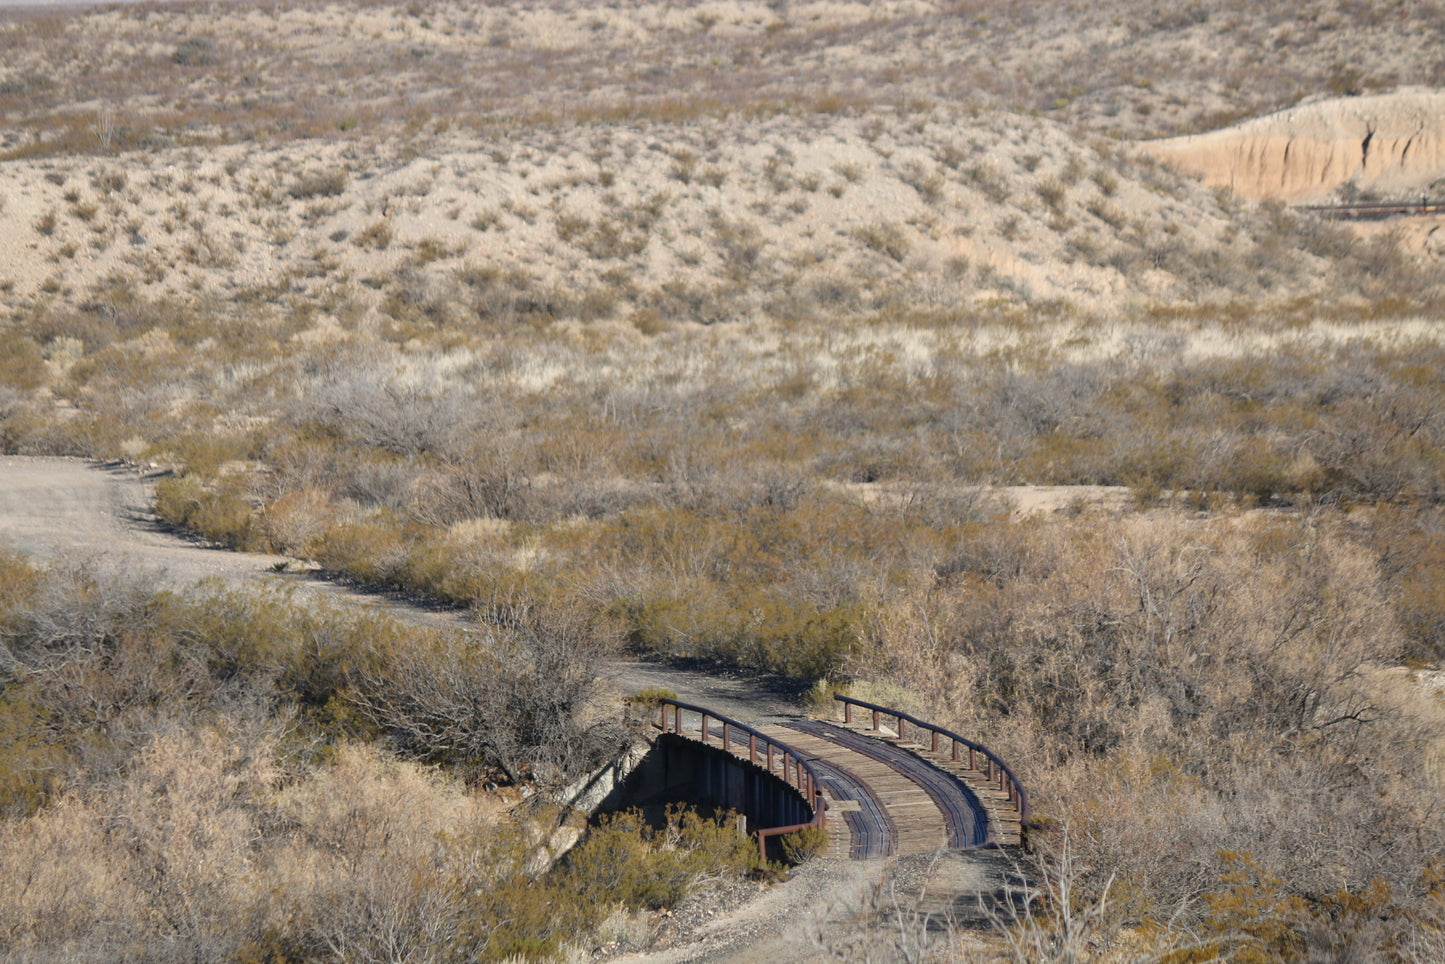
<point>1390,143</point>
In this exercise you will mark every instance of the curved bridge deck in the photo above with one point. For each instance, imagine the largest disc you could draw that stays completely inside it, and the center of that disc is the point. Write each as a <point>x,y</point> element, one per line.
<point>886,795</point>
<point>932,809</point>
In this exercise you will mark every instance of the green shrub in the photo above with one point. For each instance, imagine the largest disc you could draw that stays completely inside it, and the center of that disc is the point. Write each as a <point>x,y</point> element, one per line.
<point>32,766</point>
<point>626,861</point>
<point>217,511</point>
<point>651,696</point>
<point>803,845</point>
<point>370,550</point>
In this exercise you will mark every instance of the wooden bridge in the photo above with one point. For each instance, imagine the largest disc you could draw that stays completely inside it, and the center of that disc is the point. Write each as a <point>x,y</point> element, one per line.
<point>881,782</point>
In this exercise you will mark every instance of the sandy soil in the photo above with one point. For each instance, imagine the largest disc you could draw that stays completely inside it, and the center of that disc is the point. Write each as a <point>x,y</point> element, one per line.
<point>52,506</point>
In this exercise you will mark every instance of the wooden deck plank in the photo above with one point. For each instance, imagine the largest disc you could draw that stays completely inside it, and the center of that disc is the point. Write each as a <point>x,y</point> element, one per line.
<point>920,825</point>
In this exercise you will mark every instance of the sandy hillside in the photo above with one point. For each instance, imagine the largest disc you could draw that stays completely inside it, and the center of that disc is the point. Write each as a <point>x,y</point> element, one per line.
<point>829,207</point>
<point>679,162</point>
<point>1388,143</point>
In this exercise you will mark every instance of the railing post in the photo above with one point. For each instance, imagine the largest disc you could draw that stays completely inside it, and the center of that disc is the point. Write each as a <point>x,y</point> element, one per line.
<point>955,750</point>
<point>847,713</point>
<point>752,748</point>
<point>935,740</point>
<point>703,724</point>
<point>770,757</point>
<point>898,726</point>
<point>875,721</point>
<point>727,737</point>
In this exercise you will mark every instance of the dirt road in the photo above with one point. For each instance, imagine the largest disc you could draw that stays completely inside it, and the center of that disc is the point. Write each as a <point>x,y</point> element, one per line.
<point>50,507</point>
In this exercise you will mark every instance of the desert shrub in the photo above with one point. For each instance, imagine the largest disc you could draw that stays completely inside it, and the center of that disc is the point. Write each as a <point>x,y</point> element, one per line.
<point>763,630</point>
<point>1053,192</point>
<point>71,608</point>
<point>928,183</point>
<point>518,700</point>
<point>1215,674</point>
<point>626,861</point>
<point>217,511</point>
<point>201,848</point>
<point>512,910</point>
<point>651,695</point>
<point>377,235</point>
<point>803,845</point>
<point>989,181</point>
<point>1411,548</point>
<point>329,182</point>
<point>32,764</point>
<point>294,522</point>
<point>886,239</point>
<point>194,52</point>
<point>22,366</point>
<point>370,550</point>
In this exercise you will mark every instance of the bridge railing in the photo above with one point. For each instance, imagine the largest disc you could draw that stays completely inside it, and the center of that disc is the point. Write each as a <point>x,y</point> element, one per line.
<point>1374,210</point>
<point>763,751</point>
<point>980,757</point>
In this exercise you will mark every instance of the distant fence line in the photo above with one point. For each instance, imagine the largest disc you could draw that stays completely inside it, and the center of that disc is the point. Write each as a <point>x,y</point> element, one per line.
<point>1374,210</point>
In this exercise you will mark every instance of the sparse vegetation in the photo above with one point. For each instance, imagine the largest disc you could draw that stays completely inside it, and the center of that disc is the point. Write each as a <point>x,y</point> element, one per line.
<point>734,362</point>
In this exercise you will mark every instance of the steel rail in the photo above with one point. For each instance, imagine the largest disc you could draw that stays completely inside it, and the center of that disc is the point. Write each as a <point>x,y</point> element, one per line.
<point>800,775</point>
<point>995,769</point>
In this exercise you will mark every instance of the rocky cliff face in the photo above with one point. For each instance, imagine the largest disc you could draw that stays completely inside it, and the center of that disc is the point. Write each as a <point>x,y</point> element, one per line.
<point>1389,142</point>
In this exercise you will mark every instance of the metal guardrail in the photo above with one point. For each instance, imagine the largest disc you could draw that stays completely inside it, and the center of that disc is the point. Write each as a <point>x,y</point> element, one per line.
<point>993,768</point>
<point>763,751</point>
<point>1374,210</point>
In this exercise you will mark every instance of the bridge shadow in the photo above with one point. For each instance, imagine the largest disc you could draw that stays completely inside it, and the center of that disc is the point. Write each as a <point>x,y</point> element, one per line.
<point>677,771</point>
